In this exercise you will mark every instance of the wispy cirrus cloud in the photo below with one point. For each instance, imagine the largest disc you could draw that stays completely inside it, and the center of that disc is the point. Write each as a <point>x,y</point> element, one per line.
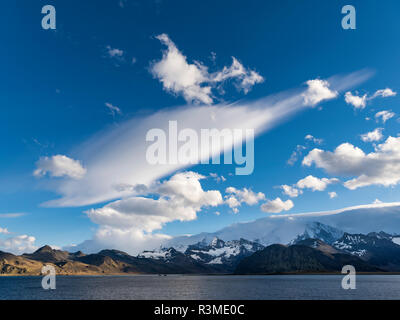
<point>114,110</point>
<point>12,215</point>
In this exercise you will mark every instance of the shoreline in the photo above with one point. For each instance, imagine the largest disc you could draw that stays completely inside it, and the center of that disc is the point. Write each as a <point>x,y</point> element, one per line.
<point>202,274</point>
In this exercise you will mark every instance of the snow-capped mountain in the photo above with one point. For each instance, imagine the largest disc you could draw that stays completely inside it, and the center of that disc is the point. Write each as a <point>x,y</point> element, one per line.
<point>217,254</point>
<point>161,254</point>
<point>221,252</point>
<point>378,249</point>
<point>318,230</point>
<point>286,229</point>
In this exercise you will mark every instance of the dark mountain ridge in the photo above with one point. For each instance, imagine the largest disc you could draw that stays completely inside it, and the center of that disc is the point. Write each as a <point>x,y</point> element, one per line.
<point>373,252</point>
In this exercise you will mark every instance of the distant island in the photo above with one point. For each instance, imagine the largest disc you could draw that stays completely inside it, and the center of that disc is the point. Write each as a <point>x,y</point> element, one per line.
<point>373,252</point>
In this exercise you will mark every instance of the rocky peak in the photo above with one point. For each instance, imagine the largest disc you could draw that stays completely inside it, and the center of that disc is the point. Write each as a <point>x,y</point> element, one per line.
<point>217,243</point>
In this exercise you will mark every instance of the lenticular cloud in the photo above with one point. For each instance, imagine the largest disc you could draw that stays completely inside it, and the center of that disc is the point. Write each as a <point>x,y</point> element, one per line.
<point>115,159</point>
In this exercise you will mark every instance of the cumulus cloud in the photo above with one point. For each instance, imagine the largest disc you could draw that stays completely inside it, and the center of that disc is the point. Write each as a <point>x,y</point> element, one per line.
<point>310,137</point>
<point>384,93</point>
<point>217,178</point>
<point>18,244</point>
<point>246,78</point>
<point>193,80</point>
<point>318,90</point>
<point>371,136</point>
<point>128,223</point>
<point>180,198</point>
<point>4,231</point>
<point>309,182</point>
<point>332,194</point>
<point>291,191</point>
<point>236,197</point>
<point>384,115</point>
<point>114,53</point>
<point>314,183</point>
<point>381,167</point>
<point>59,166</point>
<point>296,154</point>
<point>277,205</point>
<point>358,102</point>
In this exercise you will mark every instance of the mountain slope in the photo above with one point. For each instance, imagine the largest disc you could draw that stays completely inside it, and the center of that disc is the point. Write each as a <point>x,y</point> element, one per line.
<point>16,265</point>
<point>298,258</point>
<point>375,248</point>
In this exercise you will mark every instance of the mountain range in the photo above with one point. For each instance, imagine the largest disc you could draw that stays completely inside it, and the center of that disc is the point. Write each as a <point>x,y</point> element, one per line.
<point>316,248</point>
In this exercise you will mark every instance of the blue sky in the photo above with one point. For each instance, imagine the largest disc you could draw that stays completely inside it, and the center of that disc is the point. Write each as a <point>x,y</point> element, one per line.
<point>57,83</point>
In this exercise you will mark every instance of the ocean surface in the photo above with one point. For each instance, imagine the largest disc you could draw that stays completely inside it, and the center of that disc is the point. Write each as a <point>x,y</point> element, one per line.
<point>186,287</point>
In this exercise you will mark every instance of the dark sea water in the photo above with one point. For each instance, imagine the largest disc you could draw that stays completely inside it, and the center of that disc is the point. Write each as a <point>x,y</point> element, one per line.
<point>202,287</point>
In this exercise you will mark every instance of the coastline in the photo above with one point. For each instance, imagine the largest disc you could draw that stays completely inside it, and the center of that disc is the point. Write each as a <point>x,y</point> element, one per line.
<point>201,274</point>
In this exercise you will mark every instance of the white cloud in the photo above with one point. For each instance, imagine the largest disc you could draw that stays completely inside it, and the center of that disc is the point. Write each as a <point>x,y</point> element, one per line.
<point>232,202</point>
<point>384,93</point>
<point>113,109</point>
<point>18,244</point>
<point>291,191</point>
<point>236,197</point>
<point>332,194</point>
<point>309,137</point>
<point>132,241</point>
<point>277,205</point>
<point>381,167</point>
<point>12,215</point>
<point>114,52</point>
<point>314,183</point>
<point>384,115</point>
<point>59,166</point>
<point>247,78</point>
<point>296,154</point>
<point>180,198</point>
<point>356,101</point>
<point>360,102</point>
<point>371,136</point>
<point>4,231</point>
<point>193,81</point>
<point>217,178</point>
<point>365,210</point>
<point>117,156</point>
<point>318,90</point>
<point>135,218</point>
